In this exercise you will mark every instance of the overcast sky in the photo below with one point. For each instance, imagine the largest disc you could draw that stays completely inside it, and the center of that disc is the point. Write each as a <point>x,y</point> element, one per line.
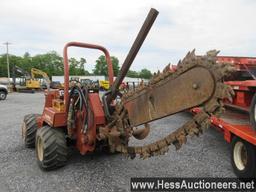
<point>39,26</point>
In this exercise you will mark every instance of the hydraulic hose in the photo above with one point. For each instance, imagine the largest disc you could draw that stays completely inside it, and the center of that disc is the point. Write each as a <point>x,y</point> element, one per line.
<point>83,102</point>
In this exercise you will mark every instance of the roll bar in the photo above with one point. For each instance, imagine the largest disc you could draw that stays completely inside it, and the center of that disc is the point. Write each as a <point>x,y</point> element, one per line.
<point>66,65</point>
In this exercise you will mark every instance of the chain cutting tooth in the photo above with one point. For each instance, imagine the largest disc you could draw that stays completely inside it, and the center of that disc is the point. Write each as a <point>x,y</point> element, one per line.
<point>220,110</point>
<point>187,56</point>
<point>182,138</point>
<point>193,52</point>
<point>191,128</point>
<point>167,68</point>
<point>200,117</point>
<point>179,64</point>
<point>211,106</point>
<point>169,139</point>
<point>212,53</point>
<point>204,125</point>
<point>177,145</point>
<point>224,92</point>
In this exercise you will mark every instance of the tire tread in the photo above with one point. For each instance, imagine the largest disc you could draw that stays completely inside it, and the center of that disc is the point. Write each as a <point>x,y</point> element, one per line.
<point>55,148</point>
<point>31,127</point>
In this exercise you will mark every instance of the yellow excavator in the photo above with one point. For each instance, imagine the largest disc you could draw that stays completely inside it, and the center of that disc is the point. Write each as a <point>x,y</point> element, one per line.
<point>34,82</point>
<point>29,83</point>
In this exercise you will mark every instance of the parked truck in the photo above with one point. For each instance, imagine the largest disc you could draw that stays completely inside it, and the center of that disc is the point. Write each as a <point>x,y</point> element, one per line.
<point>3,92</point>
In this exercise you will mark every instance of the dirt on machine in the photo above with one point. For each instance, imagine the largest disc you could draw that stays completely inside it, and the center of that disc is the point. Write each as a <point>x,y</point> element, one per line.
<point>80,117</point>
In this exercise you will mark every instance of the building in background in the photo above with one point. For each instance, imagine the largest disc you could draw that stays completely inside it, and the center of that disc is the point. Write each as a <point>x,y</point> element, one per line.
<point>97,77</point>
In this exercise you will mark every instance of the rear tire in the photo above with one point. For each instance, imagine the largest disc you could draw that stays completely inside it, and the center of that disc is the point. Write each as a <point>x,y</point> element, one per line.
<point>29,128</point>
<point>51,148</point>
<point>243,158</point>
<point>253,112</point>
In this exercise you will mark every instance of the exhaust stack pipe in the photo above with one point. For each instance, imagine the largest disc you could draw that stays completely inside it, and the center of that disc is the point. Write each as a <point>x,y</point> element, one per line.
<point>133,52</point>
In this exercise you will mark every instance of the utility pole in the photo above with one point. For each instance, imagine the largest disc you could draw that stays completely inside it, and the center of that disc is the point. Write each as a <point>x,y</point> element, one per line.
<point>7,60</point>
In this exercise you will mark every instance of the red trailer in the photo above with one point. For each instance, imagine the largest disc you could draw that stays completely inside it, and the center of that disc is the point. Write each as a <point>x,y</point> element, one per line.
<point>237,131</point>
<point>238,124</point>
<point>243,82</point>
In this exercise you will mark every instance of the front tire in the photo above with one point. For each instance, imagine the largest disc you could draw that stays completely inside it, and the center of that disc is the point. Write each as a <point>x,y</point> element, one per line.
<point>243,158</point>
<point>3,95</point>
<point>29,128</point>
<point>51,148</point>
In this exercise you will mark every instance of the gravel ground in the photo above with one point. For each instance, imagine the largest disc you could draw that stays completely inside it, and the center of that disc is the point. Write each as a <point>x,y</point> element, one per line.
<point>205,156</point>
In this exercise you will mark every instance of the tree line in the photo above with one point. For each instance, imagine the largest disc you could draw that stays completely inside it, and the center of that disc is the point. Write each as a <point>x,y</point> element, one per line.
<point>52,64</point>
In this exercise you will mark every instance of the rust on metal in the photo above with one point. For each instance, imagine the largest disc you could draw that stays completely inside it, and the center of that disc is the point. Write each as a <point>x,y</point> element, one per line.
<point>141,133</point>
<point>170,96</point>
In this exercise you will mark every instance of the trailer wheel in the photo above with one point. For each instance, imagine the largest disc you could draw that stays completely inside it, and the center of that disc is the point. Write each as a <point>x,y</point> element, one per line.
<point>243,158</point>
<point>28,129</point>
<point>51,148</point>
<point>253,113</point>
